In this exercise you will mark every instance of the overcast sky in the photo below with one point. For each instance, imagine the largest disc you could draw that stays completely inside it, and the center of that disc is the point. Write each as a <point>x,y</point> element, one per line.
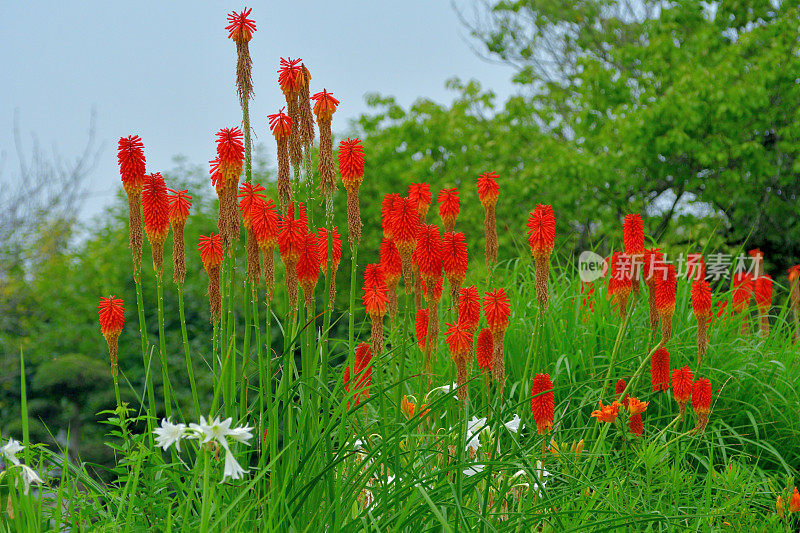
<point>165,70</point>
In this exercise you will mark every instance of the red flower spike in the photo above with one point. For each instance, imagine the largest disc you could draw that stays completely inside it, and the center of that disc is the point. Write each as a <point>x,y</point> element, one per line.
<point>363,374</point>
<point>653,264</point>
<point>459,341</point>
<point>484,349</point>
<point>240,28</point>
<point>230,152</point>
<point>619,387</point>
<point>633,235</point>
<point>420,195</point>
<point>701,396</point>
<point>130,156</point>
<point>794,273</point>
<point>405,223</point>
<point>322,239</point>
<point>351,163</point>
<point>488,189</point>
<point>210,251</point>
<point>455,257</point>
<point>421,327</point>
<point>280,124</point>
<point>111,313</point>
<point>682,382</point>
<point>324,105</point>
<point>763,293</point>
<point>666,287</point>
<point>497,310</point>
<point>428,252</point>
<point>543,403</point>
<point>375,297</point>
<point>290,75</point>
<point>542,230</point>
<point>308,264</point>
<point>265,222</point>
<point>659,369</point>
<point>292,232</point>
<point>390,202</point>
<point>742,290</point>
<point>155,207</point>
<point>636,425</point>
<point>469,307</point>
<point>390,262</point>
<point>179,205</point>
<point>251,197</point>
<point>701,299</point>
<point>449,207</point>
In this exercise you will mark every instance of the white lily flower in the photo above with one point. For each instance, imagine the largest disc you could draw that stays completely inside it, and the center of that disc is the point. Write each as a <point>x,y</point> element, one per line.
<point>514,424</point>
<point>474,428</point>
<point>444,388</point>
<point>29,476</point>
<point>233,469</point>
<point>213,430</point>
<point>10,451</point>
<point>474,469</point>
<point>241,434</point>
<point>169,434</point>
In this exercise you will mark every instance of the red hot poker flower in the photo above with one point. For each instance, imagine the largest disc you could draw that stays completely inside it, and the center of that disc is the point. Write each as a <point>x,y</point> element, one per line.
<point>542,230</point>
<point>701,401</point>
<point>619,388</point>
<point>469,307</point>
<point>742,290</point>
<point>485,347</point>
<point>375,291</point>
<point>659,369</point>
<point>666,287</point>
<point>111,312</point>
<point>653,266</point>
<point>701,300</point>
<point>459,340</point>
<point>324,105</point>
<point>210,251</point>
<point>497,310</point>
<point>390,201</point>
<point>130,156</point>
<point>763,293</point>
<point>449,207</point>
<point>240,27</point>
<point>454,257</point>
<point>390,262</point>
<point>351,163</point>
<point>265,222</point>
<point>633,235</point>
<point>420,195</point>
<point>543,403</point>
<point>322,239</point>
<point>280,124</point>
<point>290,75</point>
<point>636,425</point>
<point>308,265</point>
<point>155,206</point>
<point>421,327</point>
<point>428,252</point>
<point>292,232</point>
<point>405,223</point>
<point>230,152</point>
<point>250,198</point>
<point>488,189</point>
<point>179,206</point>
<point>682,382</point>
<point>363,374</point>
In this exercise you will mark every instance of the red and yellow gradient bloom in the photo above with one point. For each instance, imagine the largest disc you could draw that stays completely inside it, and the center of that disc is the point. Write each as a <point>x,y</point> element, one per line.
<point>455,260</point>
<point>362,375</point>
<point>659,369</point>
<point>488,189</point>
<point>484,350</point>
<point>211,254</point>
<point>543,403</point>
<point>763,295</point>
<point>620,281</point>
<point>633,235</point>
<point>179,206</point>
<point>308,267</point>
<point>290,75</point>
<point>682,382</point>
<point>469,307</point>
<point>404,224</point>
<point>607,413</point>
<point>459,341</point>
<point>666,289</point>
<point>541,237</point>
<point>420,195</point>
<point>701,402</point>
<point>351,168</point>
<point>421,328</point>
<point>130,156</point>
<point>701,306</point>
<point>392,268</point>
<point>240,27</point>
<point>291,239</point>
<point>155,206</point>
<point>449,207</point>
<point>376,302</point>
<point>111,314</point>
<point>488,193</point>
<point>497,310</point>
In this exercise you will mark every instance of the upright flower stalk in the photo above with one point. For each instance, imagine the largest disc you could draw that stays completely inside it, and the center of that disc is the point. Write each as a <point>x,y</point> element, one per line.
<point>324,108</point>
<point>455,260</point>
<point>130,156</point>
<point>404,224</point>
<point>230,157</point>
<point>701,306</point>
<point>428,256</point>
<point>633,238</point>
<point>459,341</point>
<point>420,196</point>
<point>375,302</point>
<point>682,381</point>
<point>240,30</point>
<point>265,223</point>
<point>488,193</point>
<point>543,403</point>
<point>541,237</point>
<point>620,281</point>
<point>392,269</point>
<point>449,207</point>
<point>281,126</point>
<point>330,246</point>
<point>351,167</point>
<point>308,268</point>
<point>701,402</point>
<point>290,79</point>
<point>292,230</point>
<point>742,293</point>
<point>653,267</point>
<point>763,297</point>
<point>666,288</point>
<point>211,254</point>
<point>179,205</point>
<point>111,313</point>
<point>251,198</point>
<point>155,203</point>
<point>497,310</point>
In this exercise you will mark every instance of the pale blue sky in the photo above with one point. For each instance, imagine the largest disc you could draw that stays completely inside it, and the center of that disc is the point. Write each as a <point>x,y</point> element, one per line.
<point>165,70</point>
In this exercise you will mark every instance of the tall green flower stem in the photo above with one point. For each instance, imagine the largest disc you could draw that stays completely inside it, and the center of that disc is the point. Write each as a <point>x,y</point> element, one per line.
<point>401,363</point>
<point>248,151</point>
<point>533,351</point>
<point>205,513</point>
<point>617,343</point>
<point>246,348</point>
<point>162,346</point>
<point>187,354</point>
<point>352,317</point>
<point>143,335</point>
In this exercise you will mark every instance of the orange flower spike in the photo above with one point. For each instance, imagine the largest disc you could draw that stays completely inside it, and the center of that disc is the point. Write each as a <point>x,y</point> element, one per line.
<point>484,350</point>
<point>636,407</point>
<point>322,240</point>
<point>542,231</point>
<point>763,293</point>
<point>388,205</point>
<point>280,124</point>
<point>230,152</point>
<point>619,387</point>
<point>290,75</point>
<point>363,374</point>
<point>390,262</point>
<point>794,502</point>
<point>459,341</point>
<point>636,425</point>
<point>324,105</point>
<point>497,310</point>
<point>437,291</point>
<point>428,252</point>
<point>250,198</point>
<point>155,206</point>
<point>469,307</point>
<point>488,189</point>
<point>620,281</point>
<point>701,402</point>
<point>659,369</point>
<point>682,382</point>
<point>375,290</point>
<point>455,260</point>
<point>111,314</point>
<point>130,156</point>
<point>742,290</point>
<point>211,254</point>
<point>607,413</point>
<point>179,206</point>
<point>351,163</point>
<point>701,306</point>
<point>292,232</point>
<point>405,222</point>
<point>420,195</point>
<point>265,222</point>
<point>449,207</point>
<point>633,235</point>
<point>665,290</point>
<point>543,403</point>
<point>421,327</point>
<point>240,27</point>
<point>308,267</point>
